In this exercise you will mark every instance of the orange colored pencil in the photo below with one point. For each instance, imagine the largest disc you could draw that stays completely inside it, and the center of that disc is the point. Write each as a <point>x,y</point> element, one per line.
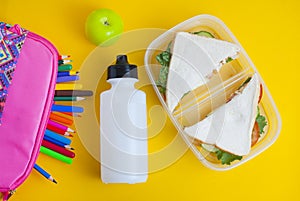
<point>61,119</point>
<point>63,115</point>
<point>71,114</point>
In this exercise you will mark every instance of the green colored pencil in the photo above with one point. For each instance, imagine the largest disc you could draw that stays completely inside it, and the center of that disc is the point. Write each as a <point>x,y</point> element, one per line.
<point>65,67</point>
<point>55,155</point>
<point>68,98</point>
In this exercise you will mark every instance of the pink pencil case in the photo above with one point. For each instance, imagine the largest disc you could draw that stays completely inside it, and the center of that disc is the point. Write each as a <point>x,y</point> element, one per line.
<point>26,110</point>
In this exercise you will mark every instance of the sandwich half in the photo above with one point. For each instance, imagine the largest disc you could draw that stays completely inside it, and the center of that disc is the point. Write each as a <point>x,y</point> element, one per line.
<point>230,127</point>
<point>194,58</point>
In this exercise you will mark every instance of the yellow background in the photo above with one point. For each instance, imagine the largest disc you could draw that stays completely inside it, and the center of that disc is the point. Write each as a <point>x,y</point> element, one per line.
<point>269,32</point>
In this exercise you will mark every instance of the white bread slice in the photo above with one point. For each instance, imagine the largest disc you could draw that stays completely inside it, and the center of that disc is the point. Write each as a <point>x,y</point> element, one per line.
<point>193,60</point>
<point>230,126</point>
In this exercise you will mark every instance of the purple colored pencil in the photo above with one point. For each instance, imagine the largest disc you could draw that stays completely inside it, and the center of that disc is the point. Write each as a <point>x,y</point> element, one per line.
<point>67,78</point>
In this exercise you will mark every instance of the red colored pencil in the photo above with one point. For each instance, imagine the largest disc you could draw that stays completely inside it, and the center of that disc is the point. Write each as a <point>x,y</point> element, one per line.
<point>58,130</point>
<point>58,149</point>
<point>60,57</point>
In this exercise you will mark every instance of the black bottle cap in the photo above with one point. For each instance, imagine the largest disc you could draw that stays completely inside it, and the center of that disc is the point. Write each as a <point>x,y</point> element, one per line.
<point>122,69</point>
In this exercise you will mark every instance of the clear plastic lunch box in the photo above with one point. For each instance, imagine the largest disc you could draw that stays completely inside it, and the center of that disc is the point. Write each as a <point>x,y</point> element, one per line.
<point>209,99</point>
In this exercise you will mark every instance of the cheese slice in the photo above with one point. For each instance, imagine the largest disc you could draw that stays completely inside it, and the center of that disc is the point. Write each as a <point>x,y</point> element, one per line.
<point>193,60</point>
<point>230,126</point>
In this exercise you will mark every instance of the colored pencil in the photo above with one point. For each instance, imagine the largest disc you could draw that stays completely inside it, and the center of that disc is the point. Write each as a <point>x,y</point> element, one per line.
<point>67,73</point>
<point>60,57</point>
<point>69,78</point>
<point>66,146</point>
<point>8,195</point>
<point>64,61</point>
<point>72,86</point>
<point>60,126</point>
<point>58,143</point>
<point>55,155</point>
<point>71,114</point>
<point>58,149</point>
<point>68,98</point>
<point>44,173</point>
<point>73,93</point>
<point>57,137</point>
<point>61,119</point>
<point>57,130</point>
<point>67,108</point>
<point>66,67</point>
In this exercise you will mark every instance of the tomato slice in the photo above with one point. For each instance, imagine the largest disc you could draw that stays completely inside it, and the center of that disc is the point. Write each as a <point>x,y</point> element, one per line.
<point>255,134</point>
<point>260,93</point>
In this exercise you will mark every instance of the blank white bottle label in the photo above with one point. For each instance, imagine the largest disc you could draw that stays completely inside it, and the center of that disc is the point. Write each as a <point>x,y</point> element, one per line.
<point>124,150</point>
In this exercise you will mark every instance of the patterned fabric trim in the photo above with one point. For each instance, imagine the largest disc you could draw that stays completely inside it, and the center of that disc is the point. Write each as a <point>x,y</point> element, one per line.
<point>11,41</point>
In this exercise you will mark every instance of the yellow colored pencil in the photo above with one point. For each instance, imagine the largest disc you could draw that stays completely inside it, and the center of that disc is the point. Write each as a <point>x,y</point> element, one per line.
<point>68,86</point>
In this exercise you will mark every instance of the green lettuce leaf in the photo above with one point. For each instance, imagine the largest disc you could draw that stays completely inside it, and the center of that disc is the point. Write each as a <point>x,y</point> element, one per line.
<point>226,158</point>
<point>162,79</point>
<point>229,59</point>
<point>164,59</point>
<point>261,121</point>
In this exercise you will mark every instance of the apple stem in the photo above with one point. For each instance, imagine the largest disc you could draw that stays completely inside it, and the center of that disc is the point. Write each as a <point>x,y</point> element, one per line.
<point>106,23</point>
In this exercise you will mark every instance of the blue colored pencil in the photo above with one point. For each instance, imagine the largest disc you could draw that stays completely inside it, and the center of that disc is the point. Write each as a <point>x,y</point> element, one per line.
<point>44,173</point>
<point>66,108</point>
<point>67,73</point>
<point>67,78</point>
<point>57,137</point>
<point>58,143</point>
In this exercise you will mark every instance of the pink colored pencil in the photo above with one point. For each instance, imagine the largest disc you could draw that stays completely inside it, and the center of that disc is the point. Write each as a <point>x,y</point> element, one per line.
<point>60,126</point>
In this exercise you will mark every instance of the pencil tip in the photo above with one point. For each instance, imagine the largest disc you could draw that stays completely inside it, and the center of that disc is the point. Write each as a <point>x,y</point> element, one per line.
<point>80,98</point>
<point>72,148</point>
<point>54,181</point>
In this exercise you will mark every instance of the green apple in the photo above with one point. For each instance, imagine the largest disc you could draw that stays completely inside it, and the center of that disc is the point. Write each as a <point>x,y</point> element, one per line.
<point>102,26</point>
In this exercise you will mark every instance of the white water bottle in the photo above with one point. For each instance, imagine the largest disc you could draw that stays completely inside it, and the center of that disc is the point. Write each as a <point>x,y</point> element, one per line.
<point>123,127</point>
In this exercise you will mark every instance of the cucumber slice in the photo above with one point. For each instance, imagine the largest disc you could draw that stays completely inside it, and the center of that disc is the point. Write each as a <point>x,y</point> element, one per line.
<point>209,148</point>
<point>204,33</point>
